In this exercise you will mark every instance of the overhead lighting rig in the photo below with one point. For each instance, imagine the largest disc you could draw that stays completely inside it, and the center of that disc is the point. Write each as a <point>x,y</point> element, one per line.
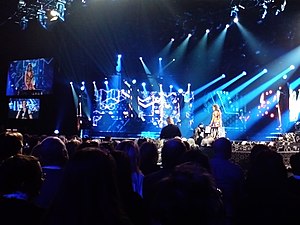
<point>44,11</point>
<point>265,7</point>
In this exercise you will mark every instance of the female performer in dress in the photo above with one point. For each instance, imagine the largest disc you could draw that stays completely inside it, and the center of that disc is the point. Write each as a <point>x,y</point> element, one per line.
<point>28,78</point>
<point>216,121</point>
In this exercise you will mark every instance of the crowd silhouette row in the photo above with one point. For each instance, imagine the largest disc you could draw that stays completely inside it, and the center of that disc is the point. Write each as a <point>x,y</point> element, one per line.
<point>59,180</point>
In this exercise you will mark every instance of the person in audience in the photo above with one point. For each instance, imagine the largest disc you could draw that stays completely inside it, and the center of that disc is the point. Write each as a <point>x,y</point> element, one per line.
<point>88,143</point>
<point>293,181</point>
<point>133,151</point>
<point>229,176</point>
<point>267,199</point>
<point>140,141</point>
<point>53,156</point>
<point>72,145</point>
<point>254,152</point>
<point>29,142</point>
<point>187,144</point>
<point>196,156</point>
<point>170,130</point>
<point>107,145</point>
<point>187,196</point>
<point>133,203</point>
<point>11,143</point>
<point>149,157</point>
<point>171,153</point>
<point>88,193</point>
<point>21,178</point>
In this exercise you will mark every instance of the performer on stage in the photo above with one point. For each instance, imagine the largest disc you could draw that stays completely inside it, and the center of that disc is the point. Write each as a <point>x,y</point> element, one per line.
<point>216,121</point>
<point>283,107</point>
<point>24,112</point>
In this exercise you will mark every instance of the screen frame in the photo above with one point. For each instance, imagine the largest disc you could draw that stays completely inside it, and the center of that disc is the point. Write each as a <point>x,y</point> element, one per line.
<point>15,105</point>
<point>42,77</point>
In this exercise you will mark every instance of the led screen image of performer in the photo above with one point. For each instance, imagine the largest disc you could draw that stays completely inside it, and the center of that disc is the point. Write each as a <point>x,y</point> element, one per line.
<point>24,112</point>
<point>29,78</point>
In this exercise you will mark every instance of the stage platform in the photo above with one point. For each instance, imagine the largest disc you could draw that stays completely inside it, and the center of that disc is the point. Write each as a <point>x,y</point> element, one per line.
<point>31,92</point>
<point>231,133</point>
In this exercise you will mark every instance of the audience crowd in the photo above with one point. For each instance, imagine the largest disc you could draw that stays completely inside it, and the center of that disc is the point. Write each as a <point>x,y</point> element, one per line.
<point>59,180</point>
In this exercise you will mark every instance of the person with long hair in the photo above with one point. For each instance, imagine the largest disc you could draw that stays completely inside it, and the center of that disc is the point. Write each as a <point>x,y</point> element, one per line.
<point>216,121</point>
<point>29,78</point>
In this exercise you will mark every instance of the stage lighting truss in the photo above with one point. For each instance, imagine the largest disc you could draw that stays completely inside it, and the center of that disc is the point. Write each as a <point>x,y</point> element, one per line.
<point>45,11</point>
<point>265,7</point>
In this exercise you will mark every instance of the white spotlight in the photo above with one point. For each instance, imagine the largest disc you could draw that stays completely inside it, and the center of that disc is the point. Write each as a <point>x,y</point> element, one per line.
<point>292,67</point>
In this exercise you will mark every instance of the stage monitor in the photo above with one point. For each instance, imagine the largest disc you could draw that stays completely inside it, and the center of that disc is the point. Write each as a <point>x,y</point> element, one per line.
<point>30,77</point>
<point>23,108</point>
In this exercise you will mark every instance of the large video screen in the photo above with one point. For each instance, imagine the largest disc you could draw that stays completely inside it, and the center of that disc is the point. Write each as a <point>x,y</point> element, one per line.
<point>30,77</point>
<point>23,108</point>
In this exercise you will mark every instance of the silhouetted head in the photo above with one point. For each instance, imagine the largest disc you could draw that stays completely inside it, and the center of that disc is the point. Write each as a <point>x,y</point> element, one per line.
<point>171,152</point>
<point>170,120</point>
<point>187,196</point>
<point>132,150</point>
<point>21,173</point>
<point>11,143</point>
<point>256,150</point>
<point>51,151</point>
<point>222,148</point>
